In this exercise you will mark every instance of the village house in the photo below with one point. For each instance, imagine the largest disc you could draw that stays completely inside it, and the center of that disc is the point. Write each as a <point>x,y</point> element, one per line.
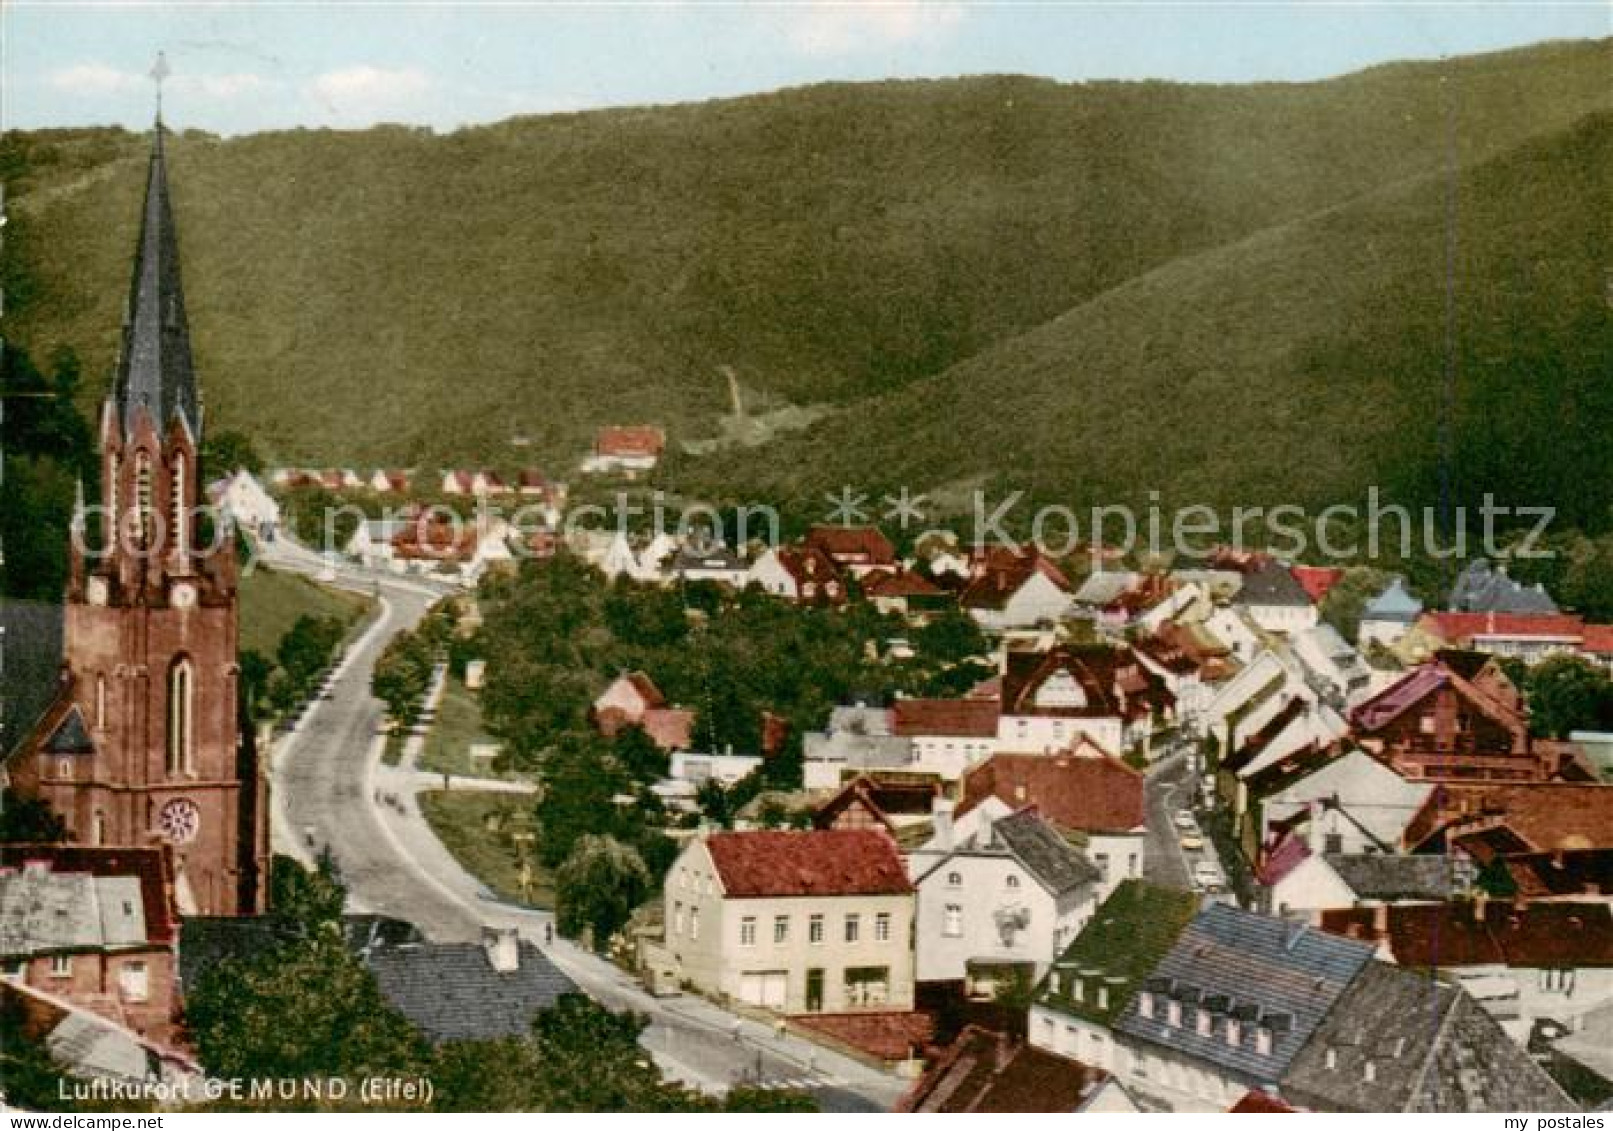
<point>1015,591</point>
<point>389,482</point>
<point>1095,977</point>
<point>246,503</point>
<point>1196,1012</point>
<point>1300,883</point>
<point>1483,588</point>
<point>997,904</point>
<point>1523,962</point>
<point>1514,817</point>
<point>858,550</point>
<point>1101,691</point>
<point>895,803</point>
<point>1388,616</point>
<point>632,699</point>
<point>1456,717</point>
<point>904,593</point>
<point>984,1071</point>
<point>712,562</point>
<point>858,738</point>
<point>1332,663</point>
<point>1530,637</point>
<point>725,768</point>
<point>1093,796</point>
<point>1349,803</point>
<point>946,736</point>
<point>625,450</point>
<point>96,927</point>
<point>1275,600</point>
<point>796,922</point>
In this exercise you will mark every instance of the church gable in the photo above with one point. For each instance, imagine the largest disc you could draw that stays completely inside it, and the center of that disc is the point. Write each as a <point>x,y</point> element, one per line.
<point>69,736</point>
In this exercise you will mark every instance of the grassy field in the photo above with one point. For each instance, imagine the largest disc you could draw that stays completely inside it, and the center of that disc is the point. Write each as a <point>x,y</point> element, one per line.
<point>460,818</point>
<point>1162,283</point>
<point>271,602</point>
<point>459,723</point>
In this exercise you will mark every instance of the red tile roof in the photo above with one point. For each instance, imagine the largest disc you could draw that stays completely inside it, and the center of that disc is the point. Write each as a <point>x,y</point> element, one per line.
<point>1544,816</point>
<point>1107,674</point>
<point>816,863</point>
<point>1316,580</point>
<point>865,545</point>
<point>961,718</point>
<point>629,441</point>
<point>884,1036</point>
<point>1086,794</point>
<point>1258,1102</point>
<point>1484,933</point>
<point>672,728</point>
<point>1459,628</point>
<point>902,584</point>
<point>1598,639</point>
<point>987,1072</point>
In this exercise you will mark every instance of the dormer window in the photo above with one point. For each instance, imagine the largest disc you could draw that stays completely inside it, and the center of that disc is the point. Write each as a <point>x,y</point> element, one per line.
<point>1173,1014</point>
<point>1145,1004</point>
<point>1202,1023</point>
<point>1234,1032</point>
<point>1263,1041</point>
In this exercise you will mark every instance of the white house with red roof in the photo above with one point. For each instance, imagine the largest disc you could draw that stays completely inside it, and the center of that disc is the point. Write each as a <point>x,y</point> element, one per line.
<point>795,922</point>
<point>627,450</point>
<point>1052,697</point>
<point>1100,798</point>
<point>1529,637</point>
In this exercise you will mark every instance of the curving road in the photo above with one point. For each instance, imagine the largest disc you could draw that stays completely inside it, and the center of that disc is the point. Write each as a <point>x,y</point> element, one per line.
<point>327,788</point>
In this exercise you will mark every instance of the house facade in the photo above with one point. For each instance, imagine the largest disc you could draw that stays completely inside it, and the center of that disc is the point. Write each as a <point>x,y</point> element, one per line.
<point>794,922</point>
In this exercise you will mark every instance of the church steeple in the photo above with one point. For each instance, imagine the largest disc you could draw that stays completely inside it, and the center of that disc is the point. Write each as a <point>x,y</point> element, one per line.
<point>154,369</point>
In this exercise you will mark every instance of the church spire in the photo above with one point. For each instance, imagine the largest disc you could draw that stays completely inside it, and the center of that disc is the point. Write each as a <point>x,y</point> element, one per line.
<point>154,369</point>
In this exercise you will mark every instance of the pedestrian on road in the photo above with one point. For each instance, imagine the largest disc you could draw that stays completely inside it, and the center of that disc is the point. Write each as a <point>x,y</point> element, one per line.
<point>548,933</point>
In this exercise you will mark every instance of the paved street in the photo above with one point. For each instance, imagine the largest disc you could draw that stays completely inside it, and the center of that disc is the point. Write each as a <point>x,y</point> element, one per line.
<point>326,777</point>
<point>1168,788</point>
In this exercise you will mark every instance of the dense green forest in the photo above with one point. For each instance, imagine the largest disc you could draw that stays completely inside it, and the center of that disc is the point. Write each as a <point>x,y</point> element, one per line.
<point>1228,293</point>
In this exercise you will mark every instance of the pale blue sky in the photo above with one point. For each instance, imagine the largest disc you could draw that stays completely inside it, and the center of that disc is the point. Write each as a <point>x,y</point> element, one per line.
<point>239,68</point>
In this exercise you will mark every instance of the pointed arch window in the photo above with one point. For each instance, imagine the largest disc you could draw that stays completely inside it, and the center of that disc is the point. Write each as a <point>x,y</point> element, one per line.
<point>142,495</point>
<point>181,717</point>
<point>176,502</point>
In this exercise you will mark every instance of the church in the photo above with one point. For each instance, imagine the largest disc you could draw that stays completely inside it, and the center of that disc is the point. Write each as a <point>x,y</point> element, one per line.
<point>141,742</point>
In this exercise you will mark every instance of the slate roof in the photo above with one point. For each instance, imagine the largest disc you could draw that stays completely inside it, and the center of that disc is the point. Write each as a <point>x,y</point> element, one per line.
<point>1075,793</point>
<point>451,992</point>
<point>1394,605</point>
<point>147,868</point>
<point>1268,973</point>
<point>1481,588</point>
<point>44,912</point>
<point>32,673</point>
<point>1381,876</point>
<point>822,862</point>
<point>984,1071</point>
<point>154,365</point>
<point>205,941</point>
<point>1046,855</point>
<point>1431,1048</point>
<point>1272,584</point>
<point>70,736</point>
<point>1118,947</point>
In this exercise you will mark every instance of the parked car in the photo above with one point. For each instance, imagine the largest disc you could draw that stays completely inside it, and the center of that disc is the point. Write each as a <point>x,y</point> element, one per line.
<point>1184,820</point>
<point>1192,841</point>
<point>1206,876</point>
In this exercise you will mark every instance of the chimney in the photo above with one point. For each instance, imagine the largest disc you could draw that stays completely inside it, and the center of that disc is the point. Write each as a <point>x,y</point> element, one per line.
<point>503,949</point>
<point>1380,922</point>
<point>1481,904</point>
<point>941,820</point>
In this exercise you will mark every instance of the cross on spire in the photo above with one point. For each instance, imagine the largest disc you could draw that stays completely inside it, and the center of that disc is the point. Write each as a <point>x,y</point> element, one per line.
<point>159,71</point>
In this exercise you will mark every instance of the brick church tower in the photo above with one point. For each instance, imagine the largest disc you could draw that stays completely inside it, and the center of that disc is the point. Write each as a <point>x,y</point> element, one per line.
<point>143,744</point>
